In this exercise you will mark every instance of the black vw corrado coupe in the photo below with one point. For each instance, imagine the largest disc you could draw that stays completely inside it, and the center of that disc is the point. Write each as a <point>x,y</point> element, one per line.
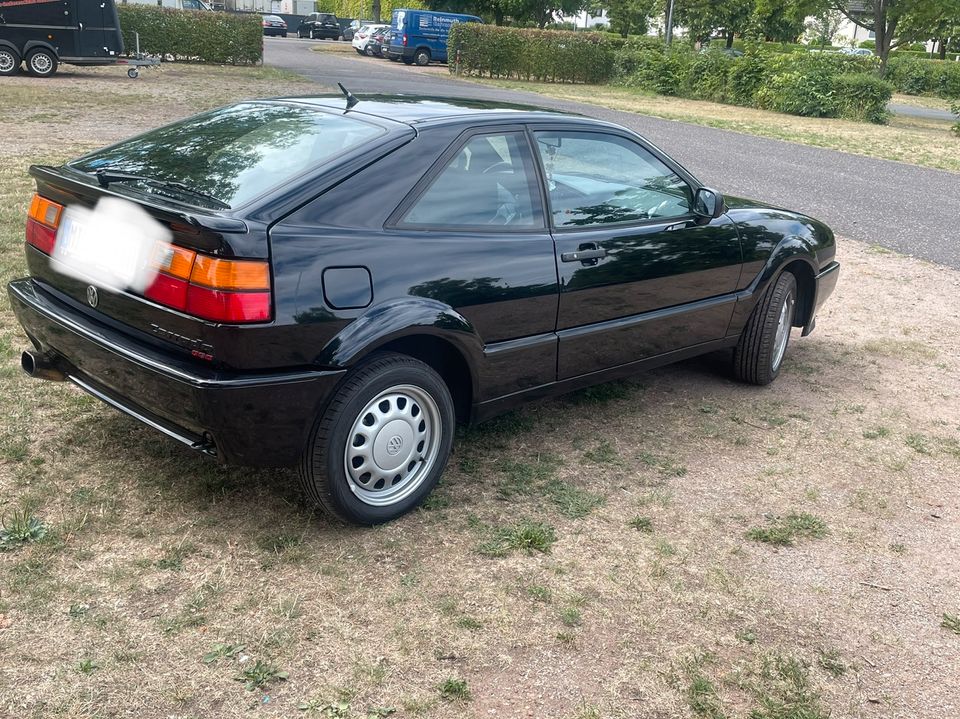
<point>343,286</point>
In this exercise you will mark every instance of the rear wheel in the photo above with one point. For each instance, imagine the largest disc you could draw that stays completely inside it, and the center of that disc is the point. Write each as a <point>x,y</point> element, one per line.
<point>381,445</point>
<point>407,60</point>
<point>9,61</point>
<point>312,35</point>
<point>759,353</point>
<point>42,62</point>
<point>422,57</point>
<point>370,51</point>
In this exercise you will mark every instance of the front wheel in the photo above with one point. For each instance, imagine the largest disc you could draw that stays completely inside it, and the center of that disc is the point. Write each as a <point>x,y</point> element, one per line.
<point>759,353</point>
<point>42,63</point>
<point>381,445</point>
<point>9,61</point>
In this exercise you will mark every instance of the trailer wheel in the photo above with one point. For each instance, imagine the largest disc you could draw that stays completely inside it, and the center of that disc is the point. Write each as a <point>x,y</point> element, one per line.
<point>42,62</point>
<point>9,61</point>
<point>133,73</point>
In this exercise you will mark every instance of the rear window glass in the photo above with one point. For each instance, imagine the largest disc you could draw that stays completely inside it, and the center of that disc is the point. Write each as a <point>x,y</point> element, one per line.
<point>235,153</point>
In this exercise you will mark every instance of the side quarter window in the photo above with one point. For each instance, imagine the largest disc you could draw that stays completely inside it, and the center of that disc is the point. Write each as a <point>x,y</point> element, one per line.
<point>489,183</point>
<point>600,179</point>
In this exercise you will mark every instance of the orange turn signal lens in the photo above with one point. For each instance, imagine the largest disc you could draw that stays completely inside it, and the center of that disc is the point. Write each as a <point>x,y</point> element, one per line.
<point>174,261</point>
<point>45,211</point>
<point>230,274</point>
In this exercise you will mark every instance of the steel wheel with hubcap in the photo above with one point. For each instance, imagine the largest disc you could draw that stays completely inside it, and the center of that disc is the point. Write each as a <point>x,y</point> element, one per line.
<point>760,351</point>
<point>380,446</point>
<point>422,58</point>
<point>394,445</point>
<point>41,63</point>
<point>9,61</point>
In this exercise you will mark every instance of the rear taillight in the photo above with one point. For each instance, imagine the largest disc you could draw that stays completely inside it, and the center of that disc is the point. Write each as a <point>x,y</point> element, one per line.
<point>43,220</point>
<point>211,288</point>
<point>404,40</point>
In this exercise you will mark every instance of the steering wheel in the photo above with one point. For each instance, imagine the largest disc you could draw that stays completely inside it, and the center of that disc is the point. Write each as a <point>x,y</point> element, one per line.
<point>499,167</point>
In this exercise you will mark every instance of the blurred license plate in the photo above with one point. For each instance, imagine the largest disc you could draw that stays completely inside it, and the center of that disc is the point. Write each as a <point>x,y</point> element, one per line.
<point>104,256</point>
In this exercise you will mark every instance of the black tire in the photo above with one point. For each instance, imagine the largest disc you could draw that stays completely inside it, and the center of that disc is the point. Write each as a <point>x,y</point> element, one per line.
<point>323,472</point>
<point>369,51</point>
<point>407,60</point>
<point>9,61</point>
<point>755,359</point>
<point>42,62</point>
<point>422,58</point>
<point>359,51</point>
<point>312,35</point>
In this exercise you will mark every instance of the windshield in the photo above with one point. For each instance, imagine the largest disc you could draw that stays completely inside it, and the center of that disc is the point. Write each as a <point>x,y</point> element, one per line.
<point>236,153</point>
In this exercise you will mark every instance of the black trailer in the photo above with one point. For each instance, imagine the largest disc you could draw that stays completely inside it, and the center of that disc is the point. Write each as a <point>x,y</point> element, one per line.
<point>44,33</point>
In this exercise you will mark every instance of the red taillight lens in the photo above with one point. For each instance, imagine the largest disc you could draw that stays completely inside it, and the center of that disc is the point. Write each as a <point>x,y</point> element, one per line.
<point>43,219</point>
<point>404,40</point>
<point>211,288</point>
<point>228,306</point>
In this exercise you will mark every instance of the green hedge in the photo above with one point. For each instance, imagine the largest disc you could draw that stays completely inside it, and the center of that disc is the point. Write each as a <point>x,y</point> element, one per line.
<point>529,54</point>
<point>915,76</point>
<point>363,9</point>
<point>199,36</point>
<point>809,84</point>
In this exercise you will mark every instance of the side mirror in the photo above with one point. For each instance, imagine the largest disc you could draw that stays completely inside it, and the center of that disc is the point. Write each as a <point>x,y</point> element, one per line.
<point>708,203</point>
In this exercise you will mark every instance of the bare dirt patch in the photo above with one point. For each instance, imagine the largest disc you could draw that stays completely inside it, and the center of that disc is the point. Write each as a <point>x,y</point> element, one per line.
<point>586,557</point>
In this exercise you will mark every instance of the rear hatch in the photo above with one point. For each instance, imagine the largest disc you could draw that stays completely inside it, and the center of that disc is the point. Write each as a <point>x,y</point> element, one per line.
<point>197,178</point>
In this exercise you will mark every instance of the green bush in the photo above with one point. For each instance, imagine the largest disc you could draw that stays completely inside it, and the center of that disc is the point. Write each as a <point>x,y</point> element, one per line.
<point>863,96</point>
<point>801,84</point>
<point>869,44</point>
<point>665,72</point>
<point>710,76</point>
<point>200,36</point>
<point>530,54</point>
<point>916,76</point>
<point>746,77</point>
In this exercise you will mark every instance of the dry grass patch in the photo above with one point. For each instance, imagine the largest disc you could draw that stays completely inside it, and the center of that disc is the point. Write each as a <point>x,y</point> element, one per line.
<point>917,141</point>
<point>171,585</point>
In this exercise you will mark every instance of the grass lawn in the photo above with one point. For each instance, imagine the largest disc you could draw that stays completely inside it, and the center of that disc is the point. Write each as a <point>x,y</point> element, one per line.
<point>907,139</point>
<point>676,546</point>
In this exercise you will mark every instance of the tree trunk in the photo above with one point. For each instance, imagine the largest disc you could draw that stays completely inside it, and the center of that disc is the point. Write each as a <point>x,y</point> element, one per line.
<point>498,16</point>
<point>942,48</point>
<point>376,10</point>
<point>729,39</point>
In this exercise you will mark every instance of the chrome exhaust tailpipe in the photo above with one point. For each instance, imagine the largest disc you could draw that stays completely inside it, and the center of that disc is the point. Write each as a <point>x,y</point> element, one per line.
<point>41,366</point>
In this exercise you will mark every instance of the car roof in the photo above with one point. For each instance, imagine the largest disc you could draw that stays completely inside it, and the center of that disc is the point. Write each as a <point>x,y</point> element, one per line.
<point>419,109</point>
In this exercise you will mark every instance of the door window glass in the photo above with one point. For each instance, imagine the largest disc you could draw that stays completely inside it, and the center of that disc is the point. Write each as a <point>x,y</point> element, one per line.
<point>487,184</point>
<point>598,179</point>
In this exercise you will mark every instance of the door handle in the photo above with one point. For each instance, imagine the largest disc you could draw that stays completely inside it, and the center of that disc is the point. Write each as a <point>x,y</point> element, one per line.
<point>583,255</point>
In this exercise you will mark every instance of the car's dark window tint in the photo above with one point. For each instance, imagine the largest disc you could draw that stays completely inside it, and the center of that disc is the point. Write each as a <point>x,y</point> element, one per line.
<point>599,179</point>
<point>235,153</point>
<point>487,183</point>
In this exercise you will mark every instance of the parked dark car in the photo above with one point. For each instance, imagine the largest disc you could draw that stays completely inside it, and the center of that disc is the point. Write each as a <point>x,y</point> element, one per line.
<point>274,25</point>
<point>319,26</point>
<point>308,313</point>
<point>349,28</point>
<point>380,40</point>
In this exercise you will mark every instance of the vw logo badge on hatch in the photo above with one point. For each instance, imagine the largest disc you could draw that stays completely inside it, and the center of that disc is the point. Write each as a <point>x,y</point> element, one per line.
<point>394,444</point>
<point>93,298</point>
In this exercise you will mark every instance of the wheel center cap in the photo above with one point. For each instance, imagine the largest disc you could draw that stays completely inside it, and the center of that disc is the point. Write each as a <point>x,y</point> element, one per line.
<point>393,445</point>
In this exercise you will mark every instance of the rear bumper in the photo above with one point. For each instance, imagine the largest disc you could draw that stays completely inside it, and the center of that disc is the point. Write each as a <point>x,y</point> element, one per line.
<point>254,419</point>
<point>394,51</point>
